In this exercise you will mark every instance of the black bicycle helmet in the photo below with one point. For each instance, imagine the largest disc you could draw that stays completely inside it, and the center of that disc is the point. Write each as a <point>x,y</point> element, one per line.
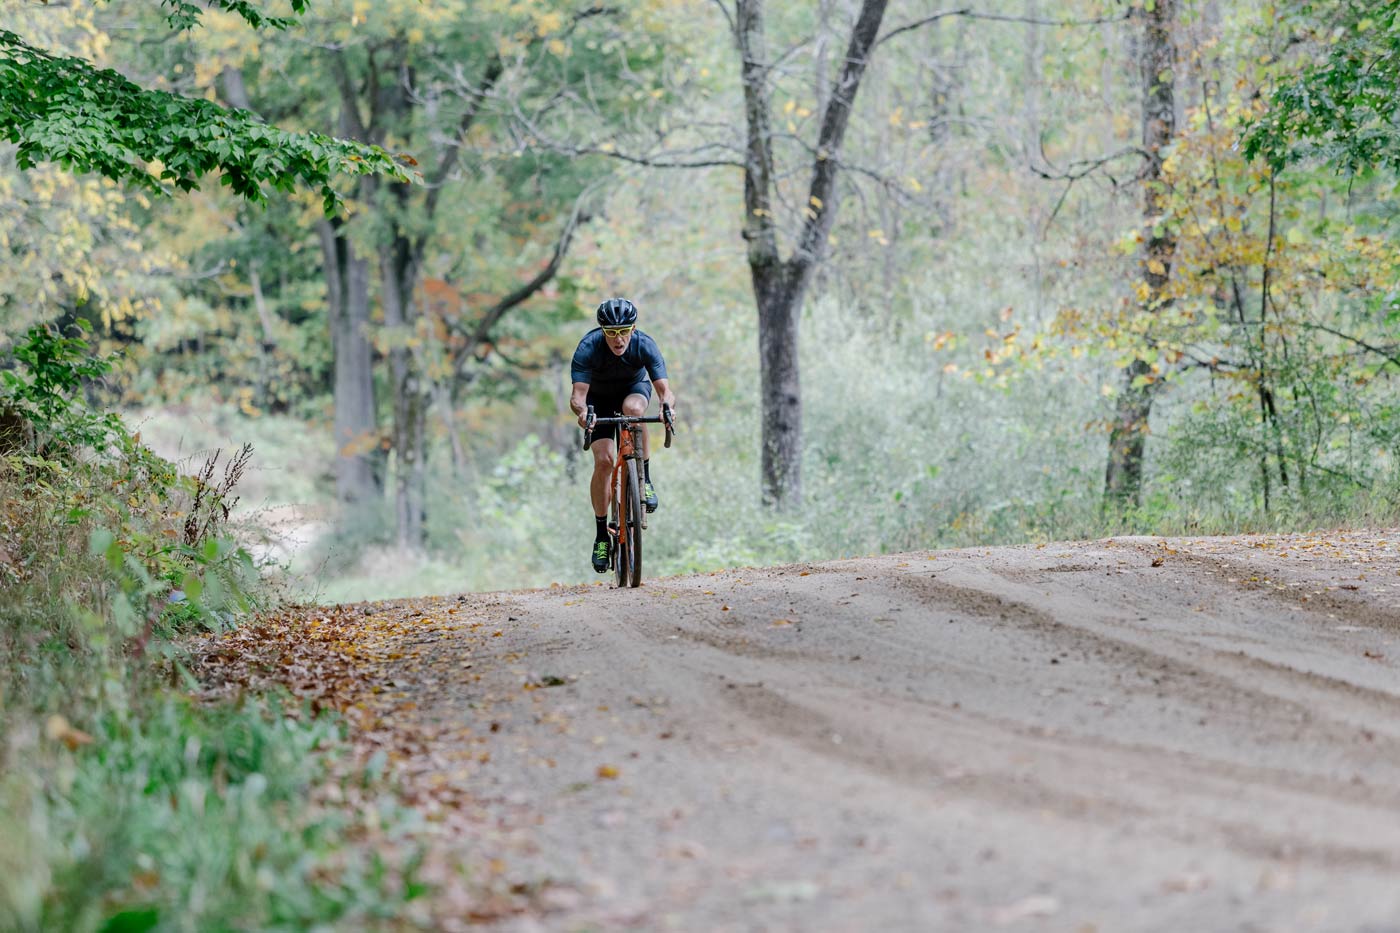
<point>617,312</point>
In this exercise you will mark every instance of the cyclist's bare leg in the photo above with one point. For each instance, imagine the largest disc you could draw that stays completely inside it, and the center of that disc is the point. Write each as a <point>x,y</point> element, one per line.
<point>604,459</point>
<point>636,406</point>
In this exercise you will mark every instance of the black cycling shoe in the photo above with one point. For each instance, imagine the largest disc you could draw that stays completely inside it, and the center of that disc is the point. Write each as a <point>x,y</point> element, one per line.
<point>600,556</point>
<point>649,496</point>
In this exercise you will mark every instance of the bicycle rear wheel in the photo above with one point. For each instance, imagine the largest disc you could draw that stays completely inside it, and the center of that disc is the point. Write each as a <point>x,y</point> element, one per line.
<point>634,523</point>
<point>621,551</point>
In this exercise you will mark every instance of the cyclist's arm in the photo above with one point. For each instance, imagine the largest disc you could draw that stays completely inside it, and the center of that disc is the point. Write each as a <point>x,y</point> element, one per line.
<point>663,389</point>
<point>578,401</point>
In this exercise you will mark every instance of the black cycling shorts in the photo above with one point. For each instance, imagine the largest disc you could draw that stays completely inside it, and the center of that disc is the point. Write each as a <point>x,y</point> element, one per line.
<point>607,403</point>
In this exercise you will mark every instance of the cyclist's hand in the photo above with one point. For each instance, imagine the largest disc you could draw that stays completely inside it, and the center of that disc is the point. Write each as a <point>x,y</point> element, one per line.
<point>583,421</point>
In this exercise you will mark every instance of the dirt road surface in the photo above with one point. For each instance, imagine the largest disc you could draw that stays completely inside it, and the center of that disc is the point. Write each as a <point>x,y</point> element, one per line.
<point>1129,734</point>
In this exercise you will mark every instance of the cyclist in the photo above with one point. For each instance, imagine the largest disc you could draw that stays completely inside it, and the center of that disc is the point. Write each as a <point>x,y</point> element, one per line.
<point>614,369</point>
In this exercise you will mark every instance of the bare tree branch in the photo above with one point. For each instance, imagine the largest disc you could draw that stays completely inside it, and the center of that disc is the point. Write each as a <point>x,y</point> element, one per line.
<point>729,17</point>
<point>1076,170</point>
<point>481,333</point>
<point>476,96</point>
<point>821,191</point>
<point>1387,355</point>
<point>969,13</point>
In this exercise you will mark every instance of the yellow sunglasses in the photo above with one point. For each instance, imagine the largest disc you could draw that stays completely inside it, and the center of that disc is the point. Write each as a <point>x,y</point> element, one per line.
<point>616,331</point>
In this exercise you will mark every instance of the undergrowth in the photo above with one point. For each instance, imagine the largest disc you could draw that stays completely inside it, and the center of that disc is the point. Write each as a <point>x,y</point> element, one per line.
<point>125,802</point>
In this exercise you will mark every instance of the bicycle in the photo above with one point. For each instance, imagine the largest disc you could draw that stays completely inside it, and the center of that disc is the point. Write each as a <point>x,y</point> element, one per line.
<point>627,517</point>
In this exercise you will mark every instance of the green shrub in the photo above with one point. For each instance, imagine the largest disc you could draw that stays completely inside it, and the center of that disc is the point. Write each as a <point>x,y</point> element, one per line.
<point>125,805</point>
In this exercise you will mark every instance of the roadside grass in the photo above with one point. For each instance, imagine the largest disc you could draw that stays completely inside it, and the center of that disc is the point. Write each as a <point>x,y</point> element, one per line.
<point>128,802</point>
<point>172,815</point>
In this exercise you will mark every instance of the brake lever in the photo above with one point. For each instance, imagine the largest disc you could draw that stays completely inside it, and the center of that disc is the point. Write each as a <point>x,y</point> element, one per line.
<point>589,420</point>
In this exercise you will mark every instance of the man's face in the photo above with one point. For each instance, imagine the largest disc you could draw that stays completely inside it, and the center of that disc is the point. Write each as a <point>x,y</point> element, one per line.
<point>618,338</point>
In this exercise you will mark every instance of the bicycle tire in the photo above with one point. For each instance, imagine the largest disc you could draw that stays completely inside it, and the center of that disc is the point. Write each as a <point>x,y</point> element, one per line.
<point>634,523</point>
<point>621,558</point>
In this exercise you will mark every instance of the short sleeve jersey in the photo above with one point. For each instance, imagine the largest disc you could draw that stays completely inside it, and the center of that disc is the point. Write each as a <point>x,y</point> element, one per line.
<point>595,364</point>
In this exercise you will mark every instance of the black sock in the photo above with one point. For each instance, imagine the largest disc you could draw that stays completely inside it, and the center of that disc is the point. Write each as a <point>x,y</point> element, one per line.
<point>646,470</point>
<point>602,521</point>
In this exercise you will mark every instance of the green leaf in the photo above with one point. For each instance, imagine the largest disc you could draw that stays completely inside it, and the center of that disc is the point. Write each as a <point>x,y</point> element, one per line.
<point>99,541</point>
<point>136,920</point>
<point>193,587</point>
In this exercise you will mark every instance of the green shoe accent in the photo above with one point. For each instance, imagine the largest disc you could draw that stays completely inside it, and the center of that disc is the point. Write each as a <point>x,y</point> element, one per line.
<point>600,556</point>
<point>649,496</point>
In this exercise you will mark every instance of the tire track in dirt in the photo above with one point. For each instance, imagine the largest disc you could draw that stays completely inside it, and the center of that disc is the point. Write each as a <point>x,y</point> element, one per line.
<point>1207,672</point>
<point>792,720</point>
<point>1211,680</point>
<point>1157,775</point>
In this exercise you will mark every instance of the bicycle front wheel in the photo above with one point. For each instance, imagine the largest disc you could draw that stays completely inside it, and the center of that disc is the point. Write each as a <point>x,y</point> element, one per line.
<point>621,548</point>
<point>634,523</point>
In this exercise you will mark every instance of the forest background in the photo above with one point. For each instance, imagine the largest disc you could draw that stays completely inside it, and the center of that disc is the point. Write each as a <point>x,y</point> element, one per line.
<point>923,277</point>
<point>961,342</point>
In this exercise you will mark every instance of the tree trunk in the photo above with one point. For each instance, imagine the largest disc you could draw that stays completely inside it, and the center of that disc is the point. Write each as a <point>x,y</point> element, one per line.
<point>779,300</point>
<point>399,276</point>
<point>1128,437</point>
<point>358,458</point>
<point>778,285</point>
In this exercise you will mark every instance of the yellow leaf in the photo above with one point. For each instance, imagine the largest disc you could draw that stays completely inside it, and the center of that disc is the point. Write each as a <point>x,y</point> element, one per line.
<point>58,729</point>
<point>608,772</point>
<point>1155,267</point>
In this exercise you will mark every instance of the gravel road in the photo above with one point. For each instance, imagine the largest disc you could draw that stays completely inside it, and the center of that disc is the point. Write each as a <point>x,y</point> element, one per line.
<point>1128,734</point>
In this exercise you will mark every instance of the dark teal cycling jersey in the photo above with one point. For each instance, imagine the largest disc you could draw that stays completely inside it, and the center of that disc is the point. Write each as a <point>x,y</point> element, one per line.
<point>597,365</point>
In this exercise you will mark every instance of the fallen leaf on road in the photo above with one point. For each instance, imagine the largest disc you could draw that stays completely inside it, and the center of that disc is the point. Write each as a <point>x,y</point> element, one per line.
<point>1191,881</point>
<point>1038,905</point>
<point>608,772</point>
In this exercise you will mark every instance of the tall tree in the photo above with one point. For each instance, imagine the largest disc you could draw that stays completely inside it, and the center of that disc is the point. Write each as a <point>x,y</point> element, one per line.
<point>1128,433</point>
<point>779,284</point>
<point>440,81</point>
<point>359,459</point>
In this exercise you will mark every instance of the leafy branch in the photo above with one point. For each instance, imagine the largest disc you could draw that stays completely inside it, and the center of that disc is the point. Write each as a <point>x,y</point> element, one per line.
<point>89,119</point>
